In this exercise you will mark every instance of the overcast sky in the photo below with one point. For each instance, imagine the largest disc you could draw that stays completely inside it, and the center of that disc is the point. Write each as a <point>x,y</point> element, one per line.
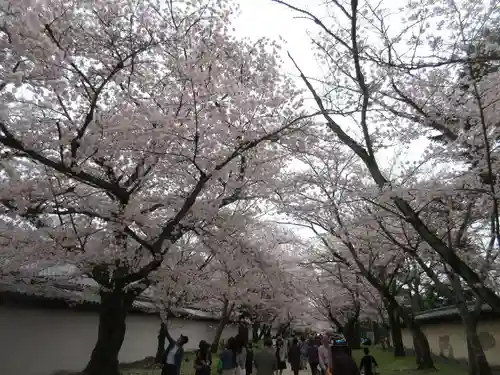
<point>265,18</point>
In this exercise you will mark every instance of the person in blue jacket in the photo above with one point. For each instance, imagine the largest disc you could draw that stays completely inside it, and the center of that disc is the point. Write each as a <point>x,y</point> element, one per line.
<point>173,356</point>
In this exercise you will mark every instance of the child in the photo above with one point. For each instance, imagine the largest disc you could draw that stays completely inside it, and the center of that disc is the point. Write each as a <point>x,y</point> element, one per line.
<point>368,364</point>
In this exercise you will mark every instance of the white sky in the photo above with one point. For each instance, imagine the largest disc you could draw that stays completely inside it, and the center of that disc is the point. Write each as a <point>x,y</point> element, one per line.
<point>265,18</point>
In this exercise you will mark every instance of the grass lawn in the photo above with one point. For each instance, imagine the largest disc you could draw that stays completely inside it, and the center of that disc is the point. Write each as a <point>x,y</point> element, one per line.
<point>406,365</point>
<point>388,365</point>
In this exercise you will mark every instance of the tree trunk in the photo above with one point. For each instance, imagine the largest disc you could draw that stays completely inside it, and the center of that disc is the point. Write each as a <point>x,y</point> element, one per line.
<point>243,332</point>
<point>376,333</point>
<point>396,333</point>
<point>421,344</point>
<point>111,332</point>
<point>226,313</point>
<point>218,334</point>
<point>162,336</point>
<point>478,364</point>
<point>352,333</point>
<point>422,349</point>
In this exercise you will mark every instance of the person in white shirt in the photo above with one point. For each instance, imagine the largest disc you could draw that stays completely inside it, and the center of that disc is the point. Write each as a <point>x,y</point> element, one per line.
<point>324,354</point>
<point>172,359</point>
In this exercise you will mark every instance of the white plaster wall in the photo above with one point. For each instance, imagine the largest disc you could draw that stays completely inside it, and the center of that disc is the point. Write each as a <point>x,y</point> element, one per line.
<point>41,341</point>
<point>457,339</point>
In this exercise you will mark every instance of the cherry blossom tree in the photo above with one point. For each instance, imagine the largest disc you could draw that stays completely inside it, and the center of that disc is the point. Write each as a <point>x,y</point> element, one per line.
<point>363,87</point>
<point>331,197</point>
<point>124,125</point>
<point>341,296</point>
<point>177,282</point>
<point>241,270</point>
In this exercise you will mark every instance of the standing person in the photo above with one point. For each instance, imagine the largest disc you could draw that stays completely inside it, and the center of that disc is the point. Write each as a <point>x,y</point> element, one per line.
<point>281,353</point>
<point>324,355</point>
<point>249,360</point>
<point>368,363</point>
<point>173,356</point>
<point>294,356</point>
<point>313,356</point>
<point>265,360</point>
<point>203,360</point>
<point>227,360</point>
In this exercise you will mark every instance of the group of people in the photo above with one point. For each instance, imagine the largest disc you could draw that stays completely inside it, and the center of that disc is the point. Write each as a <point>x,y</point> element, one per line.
<point>238,357</point>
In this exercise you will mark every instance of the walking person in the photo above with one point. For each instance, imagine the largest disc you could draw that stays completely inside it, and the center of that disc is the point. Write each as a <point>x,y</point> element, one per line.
<point>203,360</point>
<point>265,360</point>
<point>313,356</point>
<point>173,356</point>
<point>324,355</point>
<point>281,354</point>
<point>368,364</point>
<point>294,356</point>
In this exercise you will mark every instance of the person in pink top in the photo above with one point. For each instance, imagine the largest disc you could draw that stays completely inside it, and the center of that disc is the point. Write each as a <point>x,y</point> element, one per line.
<point>324,354</point>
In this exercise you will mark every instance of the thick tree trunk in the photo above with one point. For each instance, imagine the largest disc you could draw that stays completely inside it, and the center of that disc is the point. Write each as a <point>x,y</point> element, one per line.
<point>111,332</point>
<point>396,332</point>
<point>352,334</point>
<point>162,337</point>
<point>422,349</point>
<point>478,364</point>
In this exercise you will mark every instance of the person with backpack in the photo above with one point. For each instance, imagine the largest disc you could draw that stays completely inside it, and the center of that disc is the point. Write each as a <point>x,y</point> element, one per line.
<point>368,363</point>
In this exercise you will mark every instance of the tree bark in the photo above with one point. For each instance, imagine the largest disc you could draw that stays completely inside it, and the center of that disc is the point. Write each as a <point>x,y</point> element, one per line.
<point>352,333</point>
<point>477,361</point>
<point>424,360</point>
<point>421,345</point>
<point>162,336</point>
<point>396,332</point>
<point>111,332</point>
<point>226,313</point>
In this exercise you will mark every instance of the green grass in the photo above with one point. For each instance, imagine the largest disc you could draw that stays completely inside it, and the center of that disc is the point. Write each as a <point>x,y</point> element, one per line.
<point>388,364</point>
